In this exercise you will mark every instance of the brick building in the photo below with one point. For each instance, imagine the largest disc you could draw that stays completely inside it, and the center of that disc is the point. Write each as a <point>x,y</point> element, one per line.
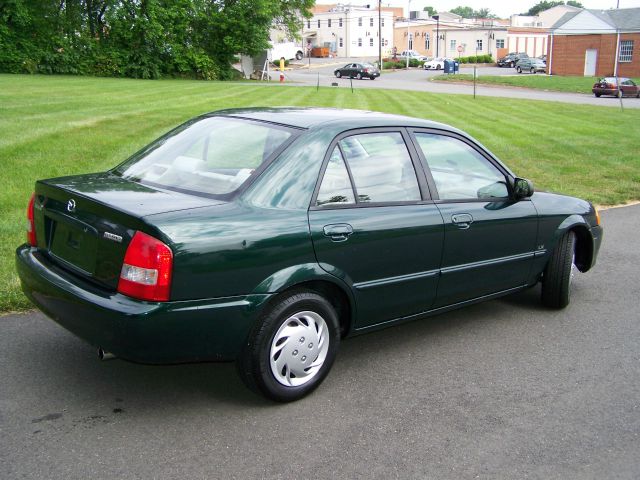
<point>596,43</point>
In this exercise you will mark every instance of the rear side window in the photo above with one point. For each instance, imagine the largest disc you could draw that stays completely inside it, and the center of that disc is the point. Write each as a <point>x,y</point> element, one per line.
<point>214,155</point>
<point>459,171</point>
<point>380,167</point>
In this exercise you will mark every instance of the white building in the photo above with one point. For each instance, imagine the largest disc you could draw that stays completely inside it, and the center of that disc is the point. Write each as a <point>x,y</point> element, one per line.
<point>350,31</point>
<point>544,19</point>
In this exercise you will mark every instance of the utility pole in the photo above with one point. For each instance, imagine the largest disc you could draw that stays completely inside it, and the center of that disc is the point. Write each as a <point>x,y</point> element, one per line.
<point>408,33</point>
<point>380,34</point>
<point>437,17</point>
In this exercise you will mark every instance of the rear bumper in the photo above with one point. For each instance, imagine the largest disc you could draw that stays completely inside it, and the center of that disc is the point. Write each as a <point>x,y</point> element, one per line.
<point>146,332</point>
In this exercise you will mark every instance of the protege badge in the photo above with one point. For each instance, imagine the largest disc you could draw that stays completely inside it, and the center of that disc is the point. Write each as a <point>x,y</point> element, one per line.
<point>112,236</point>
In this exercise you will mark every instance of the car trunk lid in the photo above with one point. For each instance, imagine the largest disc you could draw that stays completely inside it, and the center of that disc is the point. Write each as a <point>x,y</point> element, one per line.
<point>85,223</point>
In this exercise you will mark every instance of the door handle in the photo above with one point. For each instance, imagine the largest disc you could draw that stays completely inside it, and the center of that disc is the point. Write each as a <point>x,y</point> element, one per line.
<point>338,232</point>
<point>462,220</point>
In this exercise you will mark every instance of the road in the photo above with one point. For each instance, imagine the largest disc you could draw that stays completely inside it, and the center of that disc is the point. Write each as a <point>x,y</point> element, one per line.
<point>504,389</point>
<point>416,79</point>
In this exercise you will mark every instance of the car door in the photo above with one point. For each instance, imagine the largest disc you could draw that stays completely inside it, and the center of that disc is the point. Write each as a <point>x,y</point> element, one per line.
<point>489,239</point>
<point>374,226</point>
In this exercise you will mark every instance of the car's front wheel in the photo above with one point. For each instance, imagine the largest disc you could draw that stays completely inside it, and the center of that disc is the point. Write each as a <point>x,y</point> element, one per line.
<point>359,76</point>
<point>338,74</point>
<point>533,70</point>
<point>512,64</point>
<point>559,272</point>
<point>291,350</point>
<point>518,69</point>
<point>299,55</point>
<point>597,95</point>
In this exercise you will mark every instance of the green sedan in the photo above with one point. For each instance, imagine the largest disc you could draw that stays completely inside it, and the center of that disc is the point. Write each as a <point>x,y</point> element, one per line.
<point>266,236</point>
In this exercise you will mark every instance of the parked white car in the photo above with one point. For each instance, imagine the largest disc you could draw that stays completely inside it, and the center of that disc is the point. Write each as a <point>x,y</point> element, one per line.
<point>435,64</point>
<point>412,55</point>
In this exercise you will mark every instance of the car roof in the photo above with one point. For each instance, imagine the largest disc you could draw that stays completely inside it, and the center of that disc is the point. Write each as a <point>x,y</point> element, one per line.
<point>312,117</point>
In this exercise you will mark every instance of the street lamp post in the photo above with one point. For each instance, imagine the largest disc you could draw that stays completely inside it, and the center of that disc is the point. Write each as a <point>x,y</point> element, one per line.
<point>380,34</point>
<point>437,17</point>
<point>408,34</point>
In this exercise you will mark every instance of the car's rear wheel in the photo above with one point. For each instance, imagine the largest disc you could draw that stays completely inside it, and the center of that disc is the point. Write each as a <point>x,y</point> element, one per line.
<point>512,64</point>
<point>359,76</point>
<point>338,74</point>
<point>299,55</point>
<point>559,272</point>
<point>291,350</point>
<point>372,78</point>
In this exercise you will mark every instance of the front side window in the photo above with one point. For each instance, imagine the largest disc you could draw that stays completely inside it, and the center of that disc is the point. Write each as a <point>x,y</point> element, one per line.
<point>213,155</point>
<point>459,171</point>
<point>626,51</point>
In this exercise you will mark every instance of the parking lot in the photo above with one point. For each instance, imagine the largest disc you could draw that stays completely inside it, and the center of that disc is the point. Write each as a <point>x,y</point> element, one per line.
<point>504,389</point>
<point>320,72</point>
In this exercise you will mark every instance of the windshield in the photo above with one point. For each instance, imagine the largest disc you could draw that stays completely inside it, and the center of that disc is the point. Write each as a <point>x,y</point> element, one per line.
<point>214,155</point>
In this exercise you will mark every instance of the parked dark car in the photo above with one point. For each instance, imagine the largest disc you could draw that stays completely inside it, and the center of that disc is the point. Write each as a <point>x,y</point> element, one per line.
<point>267,235</point>
<point>511,59</point>
<point>531,65</point>
<point>609,86</point>
<point>358,70</point>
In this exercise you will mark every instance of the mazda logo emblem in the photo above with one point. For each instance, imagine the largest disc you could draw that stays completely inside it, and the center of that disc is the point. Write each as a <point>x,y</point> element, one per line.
<point>71,206</point>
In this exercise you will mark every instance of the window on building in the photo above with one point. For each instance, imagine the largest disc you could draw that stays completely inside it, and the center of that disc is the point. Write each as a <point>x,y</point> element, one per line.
<point>371,21</point>
<point>359,42</point>
<point>411,41</point>
<point>427,41</point>
<point>382,21</point>
<point>452,45</point>
<point>359,21</point>
<point>308,24</point>
<point>340,22</point>
<point>626,51</point>
<point>329,23</point>
<point>500,43</point>
<point>340,42</point>
<point>371,42</point>
<point>479,45</point>
<point>318,23</point>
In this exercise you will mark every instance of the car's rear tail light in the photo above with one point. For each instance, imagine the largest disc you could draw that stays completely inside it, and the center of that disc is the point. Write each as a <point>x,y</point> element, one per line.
<point>146,271</point>
<point>31,227</point>
<point>366,70</point>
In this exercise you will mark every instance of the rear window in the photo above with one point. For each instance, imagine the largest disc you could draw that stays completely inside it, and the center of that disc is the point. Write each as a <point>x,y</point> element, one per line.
<point>214,155</point>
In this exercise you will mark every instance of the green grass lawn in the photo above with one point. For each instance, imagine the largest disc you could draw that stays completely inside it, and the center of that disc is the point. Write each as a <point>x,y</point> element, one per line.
<point>540,82</point>
<point>53,126</point>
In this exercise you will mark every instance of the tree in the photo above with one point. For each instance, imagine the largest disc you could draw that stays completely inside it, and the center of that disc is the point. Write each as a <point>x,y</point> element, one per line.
<point>430,11</point>
<point>139,38</point>
<point>464,12</point>
<point>468,12</point>
<point>542,6</point>
<point>573,3</point>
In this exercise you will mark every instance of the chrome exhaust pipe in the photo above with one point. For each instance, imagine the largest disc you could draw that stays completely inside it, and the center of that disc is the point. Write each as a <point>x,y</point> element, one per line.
<point>102,355</point>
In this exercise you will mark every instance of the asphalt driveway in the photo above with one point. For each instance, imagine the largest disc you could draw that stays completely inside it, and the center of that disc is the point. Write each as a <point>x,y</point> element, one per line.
<point>505,389</point>
<point>417,80</point>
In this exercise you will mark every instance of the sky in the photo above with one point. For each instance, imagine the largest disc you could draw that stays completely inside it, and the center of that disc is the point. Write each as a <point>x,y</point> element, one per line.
<point>501,8</point>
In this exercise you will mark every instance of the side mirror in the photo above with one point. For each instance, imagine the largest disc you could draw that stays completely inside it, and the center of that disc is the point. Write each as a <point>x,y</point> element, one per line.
<point>522,188</point>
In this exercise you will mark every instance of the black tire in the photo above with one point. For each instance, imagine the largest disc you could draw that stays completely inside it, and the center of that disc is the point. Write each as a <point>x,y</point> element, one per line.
<point>638,95</point>
<point>372,78</point>
<point>533,70</point>
<point>556,280</point>
<point>254,362</point>
<point>359,76</point>
<point>597,95</point>
<point>518,69</point>
<point>338,74</point>
<point>512,64</point>
<point>438,67</point>
<point>299,55</point>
